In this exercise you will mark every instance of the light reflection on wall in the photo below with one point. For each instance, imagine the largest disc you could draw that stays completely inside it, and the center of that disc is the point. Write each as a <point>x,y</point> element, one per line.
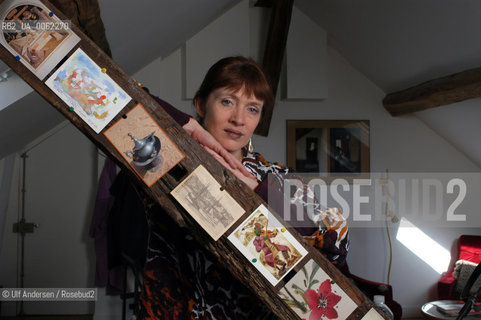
<point>419,243</point>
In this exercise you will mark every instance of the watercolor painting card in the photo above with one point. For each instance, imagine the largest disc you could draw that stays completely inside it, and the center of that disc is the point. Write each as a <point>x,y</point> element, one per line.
<point>144,145</point>
<point>94,96</point>
<point>33,34</point>
<point>212,207</point>
<point>313,295</point>
<point>264,241</point>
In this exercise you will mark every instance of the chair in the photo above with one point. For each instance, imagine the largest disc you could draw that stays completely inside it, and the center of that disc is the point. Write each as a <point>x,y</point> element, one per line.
<point>136,268</point>
<point>372,288</point>
<point>469,248</point>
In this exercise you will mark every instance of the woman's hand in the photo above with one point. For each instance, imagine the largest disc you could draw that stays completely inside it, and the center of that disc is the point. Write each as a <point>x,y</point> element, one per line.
<point>250,180</point>
<point>215,149</point>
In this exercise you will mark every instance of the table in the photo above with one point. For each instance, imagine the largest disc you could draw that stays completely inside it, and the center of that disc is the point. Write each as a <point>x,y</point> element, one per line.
<point>430,311</point>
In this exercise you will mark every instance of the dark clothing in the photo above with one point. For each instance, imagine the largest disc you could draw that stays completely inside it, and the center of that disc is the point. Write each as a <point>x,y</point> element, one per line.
<point>182,280</point>
<point>127,224</point>
<point>179,117</point>
<point>111,278</point>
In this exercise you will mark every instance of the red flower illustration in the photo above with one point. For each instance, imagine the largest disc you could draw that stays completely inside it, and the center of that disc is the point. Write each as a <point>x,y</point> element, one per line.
<point>322,302</point>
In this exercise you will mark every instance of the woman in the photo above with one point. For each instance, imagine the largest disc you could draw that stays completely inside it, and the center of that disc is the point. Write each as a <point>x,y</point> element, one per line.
<point>182,280</point>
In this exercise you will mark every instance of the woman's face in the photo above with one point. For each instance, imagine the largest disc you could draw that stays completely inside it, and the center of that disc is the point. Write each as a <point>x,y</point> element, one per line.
<point>231,117</point>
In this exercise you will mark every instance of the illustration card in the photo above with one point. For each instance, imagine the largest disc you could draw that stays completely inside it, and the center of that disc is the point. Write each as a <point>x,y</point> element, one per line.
<point>372,314</point>
<point>214,209</point>
<point>94,96</point>
<point>312,294</point>
<point>144,145</point>
<point>265,242</point>
<point>35,35</point>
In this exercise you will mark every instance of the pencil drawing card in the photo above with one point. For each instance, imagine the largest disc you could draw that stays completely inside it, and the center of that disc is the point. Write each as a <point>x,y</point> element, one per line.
<point>312,294</point>
<point>34,35</point>
<point>144,145</point>
<point>264,241</point>
<point>212,207</point>
<point>94,96</point>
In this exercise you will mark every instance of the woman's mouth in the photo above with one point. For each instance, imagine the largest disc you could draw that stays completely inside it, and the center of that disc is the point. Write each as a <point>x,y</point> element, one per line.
<point>233,134</point>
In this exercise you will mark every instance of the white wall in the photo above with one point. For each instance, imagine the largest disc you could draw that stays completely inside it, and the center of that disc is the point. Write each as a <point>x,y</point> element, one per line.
<point>13,90</point>
<point>61,178</point>
<point>402,144</point>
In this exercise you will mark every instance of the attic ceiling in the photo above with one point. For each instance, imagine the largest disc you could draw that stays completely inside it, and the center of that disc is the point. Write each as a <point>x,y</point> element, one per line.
<point>398,44</point>
<point>395,44</point>
<point>140,34</point>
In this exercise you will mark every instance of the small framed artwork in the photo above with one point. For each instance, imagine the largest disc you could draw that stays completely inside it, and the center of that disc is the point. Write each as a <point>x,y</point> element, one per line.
<point>312,294</point>
<point>264,241</point>
<point>144,145</point>
<point>92,94</point>
<point>34,35</point>
<point>333,148</point>
<point>207,202</point>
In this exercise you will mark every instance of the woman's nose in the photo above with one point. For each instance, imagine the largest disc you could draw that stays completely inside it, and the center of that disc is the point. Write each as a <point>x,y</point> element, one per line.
<point>237,116</point>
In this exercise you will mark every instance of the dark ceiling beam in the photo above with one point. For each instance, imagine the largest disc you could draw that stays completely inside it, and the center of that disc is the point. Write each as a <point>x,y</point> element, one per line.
<point>434,93</point>
<point>85,14</point>
<point>274,52</point>
<point>264,3</point>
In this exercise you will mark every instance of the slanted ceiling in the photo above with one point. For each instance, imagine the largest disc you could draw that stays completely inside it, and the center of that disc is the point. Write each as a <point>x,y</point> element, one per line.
<point>400,44</point>
<point>395,44</point>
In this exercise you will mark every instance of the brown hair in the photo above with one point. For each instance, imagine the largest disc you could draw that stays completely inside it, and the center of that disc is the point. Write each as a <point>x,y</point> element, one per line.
<point>235,73</point>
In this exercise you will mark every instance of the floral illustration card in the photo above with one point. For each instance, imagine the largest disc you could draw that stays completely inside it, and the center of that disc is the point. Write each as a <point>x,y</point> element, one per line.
<point>94,96</point>
<point>313,295</point>
<point>264,241</point>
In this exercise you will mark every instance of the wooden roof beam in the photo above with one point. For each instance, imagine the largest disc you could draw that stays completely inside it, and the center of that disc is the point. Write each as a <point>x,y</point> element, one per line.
<point>434,93</point>
<point>274,52</point>
<point>86,15</point>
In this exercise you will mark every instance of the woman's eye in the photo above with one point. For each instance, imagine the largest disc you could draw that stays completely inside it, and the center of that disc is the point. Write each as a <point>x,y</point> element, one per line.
<point>253,110</point>
<point>226,102</point>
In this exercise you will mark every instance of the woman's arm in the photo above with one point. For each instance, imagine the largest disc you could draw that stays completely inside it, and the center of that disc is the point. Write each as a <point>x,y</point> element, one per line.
<point>212,146</point>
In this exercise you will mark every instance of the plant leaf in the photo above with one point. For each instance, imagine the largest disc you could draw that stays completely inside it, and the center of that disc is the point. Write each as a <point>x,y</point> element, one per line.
<point>296,304</point>
<point>296,287</point>
<point>313,283</point>
<point>305,272</point>
<point>315,268</point>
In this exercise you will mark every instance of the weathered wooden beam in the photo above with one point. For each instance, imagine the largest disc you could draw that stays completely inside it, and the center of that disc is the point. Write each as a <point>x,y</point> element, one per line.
<point>86,15</point>
<point>226,253</point>
<point>274,54</point>
<point>434,93</point>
